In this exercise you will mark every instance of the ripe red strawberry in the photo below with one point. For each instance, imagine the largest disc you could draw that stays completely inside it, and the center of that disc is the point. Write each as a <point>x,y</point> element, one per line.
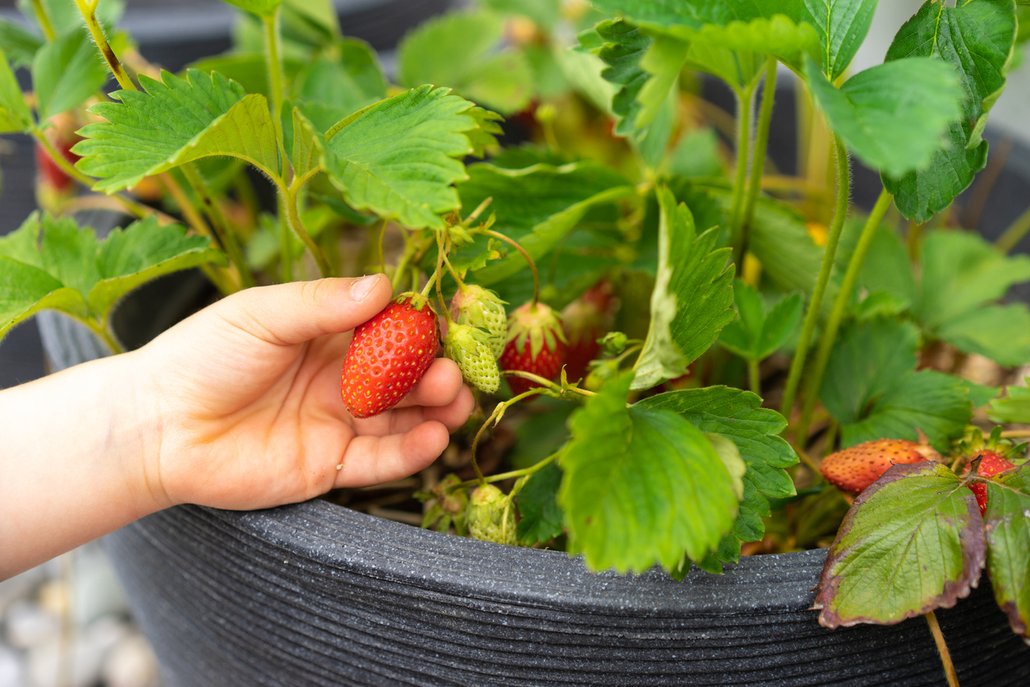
<point>584,321</point>
<point>855,468</point>
<point>991,463</point>
<point>388,355</point>
<point>536,344</point>
<point>62,135</point>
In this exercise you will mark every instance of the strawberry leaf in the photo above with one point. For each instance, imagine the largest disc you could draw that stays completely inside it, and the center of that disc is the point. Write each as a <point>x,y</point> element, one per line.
<point>1014,408</point>
<point>307,151</point>
<point>911,543</point>
<point>172,122</point>
<point>976,39</point>
<point>739,417</point>
<point>18,43</point>
<point>1008,545</point>
<point>692,299</point>
<point>262,8</point>
<point>55,264</point>
<point>536,205</point>
<point>15,116</point>
<point>330,88</point>
<point>892,116</point>
<point>542,518</point>
<point>759,331</point>
<point>842,25</point>
<point>401,157</point>
<point>463,50</point>
<point>642,485</point>
<point>66,72</point>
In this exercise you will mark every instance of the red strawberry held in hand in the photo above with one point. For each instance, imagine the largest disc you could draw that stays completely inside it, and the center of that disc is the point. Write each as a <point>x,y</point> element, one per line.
<point>991,463</point>
<point>855,468</point>
<point>536,344</point>
<point>388,355</point>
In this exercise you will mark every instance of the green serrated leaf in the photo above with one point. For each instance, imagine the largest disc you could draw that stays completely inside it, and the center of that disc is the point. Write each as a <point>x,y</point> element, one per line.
<point>329,89</point>
<point>961,274</point>
<point>307,151</point>
<point>66,72</point>
<point>911,543</point>
<point>739,416</point>
<point>537,206</point>
<point>760,331</point>
<point>692,299</point>
<point>25,290</point>
<point>542,518</point>
<point>642,486</point>
<point>462,50</point>
<point>175,121</point>
<point>19,44</point>
<point>976,38</point>
<point>1000,332</point>
<point>932,402</point>
<point>892,116</point>
<point>15,116</point>
<point>141,252</point>
<point>622,46</point>
<point>777,36</point>
<point>401,157</point>
<point>842,25</point>
<point>1014,408</point>
<point>1008,545</point>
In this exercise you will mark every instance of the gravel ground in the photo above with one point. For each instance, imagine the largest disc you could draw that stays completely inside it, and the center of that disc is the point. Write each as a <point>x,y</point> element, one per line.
<point>67,624</point>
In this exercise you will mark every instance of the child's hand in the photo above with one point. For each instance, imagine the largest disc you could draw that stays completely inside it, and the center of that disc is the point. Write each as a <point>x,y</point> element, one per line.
<point>246,398</point>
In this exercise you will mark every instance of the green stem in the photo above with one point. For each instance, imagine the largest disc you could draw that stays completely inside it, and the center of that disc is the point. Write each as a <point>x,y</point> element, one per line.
<point>219,224</point>
<point>103,332</point>
<point>754,378</point>
<point>942,650</point>
<point>525,254</point>
<point>745,105</point>
<point>797,365</point>
<point>840,307</point>
<point>754,184</point>
<point>513,474</point>
<point>1015,233</point>
<point>88,12</point>
<point>275,69</point>
<point>297,225</point>
<point>43,18</point>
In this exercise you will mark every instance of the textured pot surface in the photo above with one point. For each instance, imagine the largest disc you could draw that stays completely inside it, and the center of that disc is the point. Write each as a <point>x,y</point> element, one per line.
<point>316,594</point>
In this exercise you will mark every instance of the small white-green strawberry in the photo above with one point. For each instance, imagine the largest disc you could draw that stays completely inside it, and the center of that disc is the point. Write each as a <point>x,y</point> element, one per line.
<point>489,515</point>
<point>469,346</point>
<point>482,308</point>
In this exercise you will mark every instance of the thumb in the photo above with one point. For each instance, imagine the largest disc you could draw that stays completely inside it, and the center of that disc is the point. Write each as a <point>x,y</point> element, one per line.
<point>288,314</point>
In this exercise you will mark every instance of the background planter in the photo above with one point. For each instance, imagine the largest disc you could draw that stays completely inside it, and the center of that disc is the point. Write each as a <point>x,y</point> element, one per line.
<point>315,594</point>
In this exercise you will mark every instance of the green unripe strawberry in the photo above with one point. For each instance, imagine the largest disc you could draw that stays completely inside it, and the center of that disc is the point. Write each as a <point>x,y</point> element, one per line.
<point>470,347</point>
<point>490,516</point>
<point>473,305</point>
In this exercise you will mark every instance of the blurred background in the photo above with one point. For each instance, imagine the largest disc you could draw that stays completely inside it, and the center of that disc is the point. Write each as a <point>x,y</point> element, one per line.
<point>66,623</point>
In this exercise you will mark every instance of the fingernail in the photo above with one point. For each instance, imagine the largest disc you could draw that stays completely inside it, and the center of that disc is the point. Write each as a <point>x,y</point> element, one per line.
<point>360,289</point>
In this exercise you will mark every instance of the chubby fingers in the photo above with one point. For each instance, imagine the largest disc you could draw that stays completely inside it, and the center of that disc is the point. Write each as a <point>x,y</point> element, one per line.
<point>373,460</point>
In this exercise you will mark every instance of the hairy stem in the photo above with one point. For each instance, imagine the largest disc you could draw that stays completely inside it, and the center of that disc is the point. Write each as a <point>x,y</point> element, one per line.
<point>89,15</point>
<point>525,254</point>
<point>942,649</point>
<point>840,307</point>
<point>745,106</point>
<point>221,227</point>
<point>753,377</point>
<point>843,200</point>
<point>43,19</point>
<point>293,220</point>
<point>761,145</point>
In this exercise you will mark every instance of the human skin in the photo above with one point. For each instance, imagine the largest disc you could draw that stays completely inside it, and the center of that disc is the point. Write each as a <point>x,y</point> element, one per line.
<point>236,407</point>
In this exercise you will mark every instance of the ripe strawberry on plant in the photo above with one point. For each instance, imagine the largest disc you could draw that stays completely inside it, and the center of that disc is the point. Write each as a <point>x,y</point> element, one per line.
<point>50,178</point>
<point>388,355</point>
<point>473,305</point>
<point>470,347</point>
<point>991,463</point>
<point>855,468</point>
<point>536,344</point>
<point>584,321</point>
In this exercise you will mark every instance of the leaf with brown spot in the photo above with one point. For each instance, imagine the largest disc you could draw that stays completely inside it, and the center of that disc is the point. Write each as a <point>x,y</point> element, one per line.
<point>911,543</point>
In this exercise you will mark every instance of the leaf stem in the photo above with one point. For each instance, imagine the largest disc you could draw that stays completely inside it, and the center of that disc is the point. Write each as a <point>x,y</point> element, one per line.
<point>43,19</point>
<point>1015,233</point>
<point>840,306</point>
<point>525,254</point>
<point>513,474</point>
<point>761,145</point>
<point>843,200</point>
<point>942,649</point>
<point>104,333</point>
<point>745,106</point>
<point>218,222</point>
<point>275,69</point>
<point>293,220</point>
<point>754,378</point>
<point>88,12</point>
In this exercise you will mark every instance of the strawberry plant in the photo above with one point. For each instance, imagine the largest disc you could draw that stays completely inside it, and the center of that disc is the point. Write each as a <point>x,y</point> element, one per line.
<point>683,331</point>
